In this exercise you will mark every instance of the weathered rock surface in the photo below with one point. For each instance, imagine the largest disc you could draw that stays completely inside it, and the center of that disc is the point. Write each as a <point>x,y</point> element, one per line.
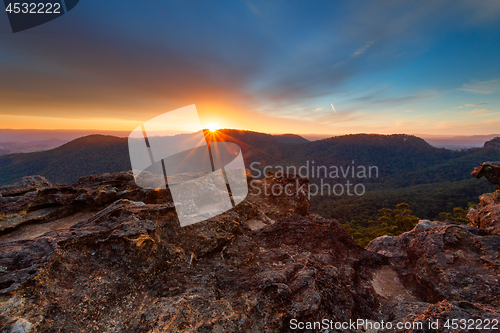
<point>37,201</point>
<point>131,268</point>
<point>489,170</point>
<point>486,215</point>
<point>111,257</point>
<point>446,261</point>
<point>453,268</point>
<point>26,184</point>
<point>458,316</point>
<point>279,194</point>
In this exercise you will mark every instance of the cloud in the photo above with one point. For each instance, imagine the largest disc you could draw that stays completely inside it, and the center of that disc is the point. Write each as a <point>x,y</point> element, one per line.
<point>317,109</point>
<point>486,10</point>
<point>472,113</point>
<point>485,114</point>
<point>347,116</point>
<point>402,100</point>
<point>106,75</point>
<point>482,87</point>
<point>476,111</point>
<point>409,110</point>
<point>356,54</point>
<point>361,50</point>
<point>268,58</point>
<point>333,108</point>
<point>469,105</point>
<point>482,113</point>
<point>325,117</point>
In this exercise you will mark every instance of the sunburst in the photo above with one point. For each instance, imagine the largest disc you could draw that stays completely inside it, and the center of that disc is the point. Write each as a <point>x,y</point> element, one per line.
<point>212,127</point>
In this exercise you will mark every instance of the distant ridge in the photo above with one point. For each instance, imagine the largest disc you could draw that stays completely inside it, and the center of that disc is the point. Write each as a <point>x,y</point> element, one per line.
<point>32,135</point>
<point>11,147</point>
<point>458,142</point>
<point>93,154</point>
<point>431,179</point>
<point>371,140</point>
<point>92,140</point>
<point>291,138</point>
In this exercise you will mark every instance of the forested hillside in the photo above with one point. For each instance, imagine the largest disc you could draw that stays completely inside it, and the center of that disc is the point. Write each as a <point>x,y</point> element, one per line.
<point>89,155</point>
<point>409,170</point>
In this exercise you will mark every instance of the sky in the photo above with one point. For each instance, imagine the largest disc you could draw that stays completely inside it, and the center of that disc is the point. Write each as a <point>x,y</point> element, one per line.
<point>321,67</point>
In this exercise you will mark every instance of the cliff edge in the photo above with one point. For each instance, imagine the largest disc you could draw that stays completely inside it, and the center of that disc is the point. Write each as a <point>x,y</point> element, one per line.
<point>103,255</point>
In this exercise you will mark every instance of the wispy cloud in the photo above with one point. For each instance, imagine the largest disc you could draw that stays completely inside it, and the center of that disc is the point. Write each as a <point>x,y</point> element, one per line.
<point>472,113</point>
<point>317,109</point>
<point>469,105</point>
<point>482,113</point>
<point>356,54</point>
<point>476,111</point>
<point>485,114</point>
<point>409,110</point>
<point>333,108</point>
<point>482,87</point>
<point>361,50</point>
<point>406,99</point>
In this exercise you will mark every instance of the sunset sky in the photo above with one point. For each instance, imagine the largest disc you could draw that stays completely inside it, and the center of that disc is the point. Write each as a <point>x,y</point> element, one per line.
<point>329,67</point>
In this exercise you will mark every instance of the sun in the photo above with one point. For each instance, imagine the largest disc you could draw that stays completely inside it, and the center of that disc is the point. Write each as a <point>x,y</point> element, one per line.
<point>212,127</point>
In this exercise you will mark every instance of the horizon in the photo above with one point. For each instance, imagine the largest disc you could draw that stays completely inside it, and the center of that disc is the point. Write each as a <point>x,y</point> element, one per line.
<point>64,136</point>
<point>428,68</point>
<point>99,131</point>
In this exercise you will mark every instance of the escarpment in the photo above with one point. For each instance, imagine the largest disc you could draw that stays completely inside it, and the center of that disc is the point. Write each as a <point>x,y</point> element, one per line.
<point>103,255</point>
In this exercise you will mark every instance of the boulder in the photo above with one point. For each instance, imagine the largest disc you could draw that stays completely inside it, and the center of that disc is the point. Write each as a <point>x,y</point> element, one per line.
<point>486,215</point>
<point>446,261</point>
<point>489,170</point>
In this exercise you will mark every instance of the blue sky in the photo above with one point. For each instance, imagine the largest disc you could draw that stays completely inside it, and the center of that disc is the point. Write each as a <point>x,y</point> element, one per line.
<point>329,67</point>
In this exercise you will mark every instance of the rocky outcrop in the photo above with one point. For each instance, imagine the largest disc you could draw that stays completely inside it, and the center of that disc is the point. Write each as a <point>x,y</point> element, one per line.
<point>130,267</point>
<point>452,269</point>
<point>111,257</point>
<point>486,215</point>
<point>446,261</point>
<point>34,200</point>
<point>489,170</point>
<point>26,184</point>
<point>281,193</point>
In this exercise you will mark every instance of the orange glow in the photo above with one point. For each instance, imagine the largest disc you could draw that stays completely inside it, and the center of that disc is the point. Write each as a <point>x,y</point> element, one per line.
<point>232,116</point>
<point>212,127</point>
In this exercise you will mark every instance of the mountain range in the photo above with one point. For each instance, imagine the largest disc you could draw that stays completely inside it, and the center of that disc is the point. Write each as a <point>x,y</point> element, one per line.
<point>431,180</point>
